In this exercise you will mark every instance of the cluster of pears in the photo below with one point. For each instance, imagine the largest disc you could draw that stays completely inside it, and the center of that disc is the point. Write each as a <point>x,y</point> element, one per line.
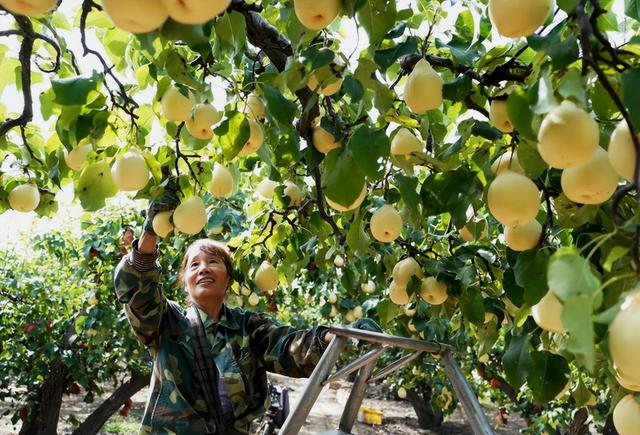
<point>518,18</point>
<point>514,200</point>
<point>568,140</point>
<point>29,8</point>
<point>432,291</point>
<point>143,16</point>
<point>266,188</point>
<point>189,217</point>
<point>199,118</point>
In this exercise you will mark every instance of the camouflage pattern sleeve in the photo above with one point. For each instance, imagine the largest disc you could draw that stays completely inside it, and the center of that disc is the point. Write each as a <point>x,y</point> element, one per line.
<point>283,349</point>
<point>144,303</point>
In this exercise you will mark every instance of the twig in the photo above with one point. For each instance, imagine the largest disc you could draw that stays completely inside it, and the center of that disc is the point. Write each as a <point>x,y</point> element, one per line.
<point>26,48</point>
<point>321,208</point>
<point>129,105</point>
<point>180,155</point>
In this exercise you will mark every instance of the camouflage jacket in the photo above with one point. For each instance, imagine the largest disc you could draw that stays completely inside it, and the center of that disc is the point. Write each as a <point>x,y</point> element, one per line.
<point>245,345</point>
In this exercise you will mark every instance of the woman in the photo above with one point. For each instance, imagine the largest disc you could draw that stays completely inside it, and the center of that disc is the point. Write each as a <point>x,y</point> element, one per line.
<point>244,345</point>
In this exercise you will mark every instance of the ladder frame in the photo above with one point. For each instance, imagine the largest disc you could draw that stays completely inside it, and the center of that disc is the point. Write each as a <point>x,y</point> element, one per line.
<point>321,376</point>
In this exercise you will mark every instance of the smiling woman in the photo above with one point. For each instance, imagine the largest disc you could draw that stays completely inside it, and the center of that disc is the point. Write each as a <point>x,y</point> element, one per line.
<point>210,361</point>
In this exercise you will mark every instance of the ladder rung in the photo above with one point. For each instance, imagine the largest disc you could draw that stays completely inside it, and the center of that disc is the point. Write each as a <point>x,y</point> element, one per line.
<point>394,366</point>
<point>355,365</point>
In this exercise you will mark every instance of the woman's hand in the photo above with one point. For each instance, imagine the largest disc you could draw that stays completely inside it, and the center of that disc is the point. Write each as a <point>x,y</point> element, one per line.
<point>168,201</point>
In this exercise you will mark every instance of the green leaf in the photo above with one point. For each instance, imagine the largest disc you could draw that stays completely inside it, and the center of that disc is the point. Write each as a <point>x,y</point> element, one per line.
<point>451,192</point>
<point>570,275</point>
<point>630,86</point>
<point>563,52</point>
<point>75,91</point>
<point>577,315</point>
<point>632,9</point>
<point>95,185</point>
<point>353,88</point>
<point>377,17</point>
<point>531,274</point>
<point>530,159</point>
<point>369,146</point>
<point>280,109</point>
<point>387,57</point>
<point>548,375</point>
<point>472,306</point>
<point>461,51</point>
<point>521,114</point>
<point>517,360</point>
<point>458,89</point>
<point>287,149</point>
<point>231,30</point>
<point>567,5</point>
<point>408,189</point>
<point>357,238</point>
<point>177,70</point>
<point>342,180</point>
<point>387,311</point>
<point>571,87</point>
<point>232,134</point>
<point>572,215</point>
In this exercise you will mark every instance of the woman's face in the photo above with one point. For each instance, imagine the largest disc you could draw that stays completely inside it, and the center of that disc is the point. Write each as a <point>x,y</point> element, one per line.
<point>205,276</point>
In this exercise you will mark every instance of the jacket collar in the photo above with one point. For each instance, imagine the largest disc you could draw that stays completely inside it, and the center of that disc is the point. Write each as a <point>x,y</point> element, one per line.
<point>227,319</point>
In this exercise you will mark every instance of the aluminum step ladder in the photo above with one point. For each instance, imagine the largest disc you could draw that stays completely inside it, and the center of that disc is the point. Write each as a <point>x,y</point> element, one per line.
<point>322,376</point>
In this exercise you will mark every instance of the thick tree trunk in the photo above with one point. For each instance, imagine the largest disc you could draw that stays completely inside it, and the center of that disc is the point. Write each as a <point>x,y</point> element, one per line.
<point>97,419</point>
<point>45,416</point>
<point>428,417</point>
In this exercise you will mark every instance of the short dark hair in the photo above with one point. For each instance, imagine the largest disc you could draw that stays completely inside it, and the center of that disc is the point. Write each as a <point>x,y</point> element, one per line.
<point>211,247</point>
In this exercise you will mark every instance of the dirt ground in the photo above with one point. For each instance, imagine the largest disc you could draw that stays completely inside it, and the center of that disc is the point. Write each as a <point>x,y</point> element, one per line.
<point>398,416</point>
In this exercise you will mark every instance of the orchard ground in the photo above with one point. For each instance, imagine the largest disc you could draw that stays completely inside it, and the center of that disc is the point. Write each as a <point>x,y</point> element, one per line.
<point>398,418</point>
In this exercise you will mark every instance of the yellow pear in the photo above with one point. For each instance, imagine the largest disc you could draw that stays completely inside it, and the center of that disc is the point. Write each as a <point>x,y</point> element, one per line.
<point>567,136</point>
<point>547,312</point>
<point>221,183</point>
<point>338,261</point>
<point>513,199</point>
<point>266,187</point>
<point>24,198</point>
<point>254,299</point>
<point>484,358</point>
<point>162,224</point>
<point>266,278</point>
<point>190,216</point>
<point>77,156</point>
<point>28,7</point>
<point>523,237</point>
<point>508,161</point>
<point>592,181</point>
<point>627,382</point>
<point>256,137</point>
<point>355,204</point>
<point>325,88</point>
<point>333,312</point>
<point>466,232</point>
<point>408,311</point>
<point>626,416</point>
<point>195,11</point>
<point>404,270</point>
<point>423,88</point>
<point>316,15</point>
<point>175,106</point>
<point>324,141</point>
<point>203,117</point>
<point>624,336</point>
<point>433,292</point>
<point>622,154</point>
<point>139,16</point>
<point>357,312</point>
<point>499,117</point>
<point>516,18</point>
<point>386,224</point>
<point>369,287</point>
<point>293,192</point>
<point>405,143</point>
<point>402,392</point>
<point>349,317</point>
<point>332,298</point>
<point>398,294</point>
<point>254,107</point>
<point>130,172</point>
